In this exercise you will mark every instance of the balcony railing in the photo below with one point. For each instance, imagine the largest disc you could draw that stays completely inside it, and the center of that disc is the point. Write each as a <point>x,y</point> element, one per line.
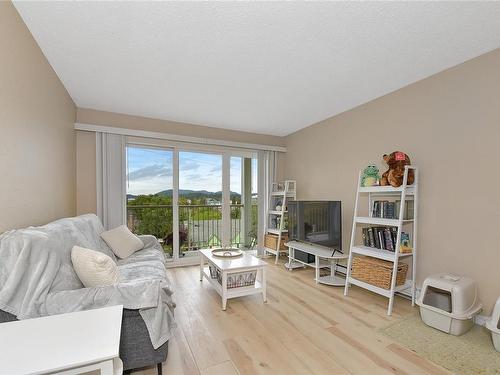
<point>200,226</point>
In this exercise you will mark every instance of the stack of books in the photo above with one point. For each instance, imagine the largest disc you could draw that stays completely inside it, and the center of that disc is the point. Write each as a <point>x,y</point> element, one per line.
<point>385,238</point>
<point>409,209</point>
<point>384,209</point>
<point>390,210</point>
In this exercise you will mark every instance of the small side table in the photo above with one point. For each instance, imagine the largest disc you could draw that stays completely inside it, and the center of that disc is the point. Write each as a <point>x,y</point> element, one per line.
<point>67,344</point>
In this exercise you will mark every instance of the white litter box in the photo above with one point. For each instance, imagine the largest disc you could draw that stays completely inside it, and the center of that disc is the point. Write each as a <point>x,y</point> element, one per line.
<point>493,324</point>
<point>449,303</point>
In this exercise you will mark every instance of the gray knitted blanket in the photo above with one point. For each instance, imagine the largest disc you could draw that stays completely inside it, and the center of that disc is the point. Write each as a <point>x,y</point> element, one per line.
<point>37,277</point>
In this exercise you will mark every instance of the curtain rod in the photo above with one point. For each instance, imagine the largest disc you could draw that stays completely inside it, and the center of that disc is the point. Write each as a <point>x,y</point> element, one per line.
<point>175,137</point>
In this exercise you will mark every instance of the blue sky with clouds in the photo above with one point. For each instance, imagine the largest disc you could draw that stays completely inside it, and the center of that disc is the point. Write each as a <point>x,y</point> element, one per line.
<point>149,170</point>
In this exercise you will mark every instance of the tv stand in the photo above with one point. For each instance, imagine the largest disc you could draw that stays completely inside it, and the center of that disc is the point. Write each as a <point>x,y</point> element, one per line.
<point>324,257</point>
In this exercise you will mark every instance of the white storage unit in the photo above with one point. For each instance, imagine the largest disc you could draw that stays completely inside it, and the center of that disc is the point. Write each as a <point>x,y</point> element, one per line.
<point>493,324</point>
<point>449,303</point>
<point>281,192</point>
<point>404,193</point>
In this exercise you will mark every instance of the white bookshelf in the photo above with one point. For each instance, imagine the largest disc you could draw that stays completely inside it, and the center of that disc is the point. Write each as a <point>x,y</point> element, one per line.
<point>281,192</point>
<point>405,192</point>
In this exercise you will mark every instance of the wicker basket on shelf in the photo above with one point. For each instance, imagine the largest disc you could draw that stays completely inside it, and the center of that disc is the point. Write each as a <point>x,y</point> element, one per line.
<point>377,272</point>
<point>271,240</point>
<point>234,280</point>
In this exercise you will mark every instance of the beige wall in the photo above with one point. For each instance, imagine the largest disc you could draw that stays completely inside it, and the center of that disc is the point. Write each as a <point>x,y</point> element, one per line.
<point>86,181</point>
<point>90,116</point>
<point>449,124</point>
<point>37,140</point>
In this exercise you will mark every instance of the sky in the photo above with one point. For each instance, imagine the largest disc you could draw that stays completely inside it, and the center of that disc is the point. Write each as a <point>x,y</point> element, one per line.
<point>149,171</point>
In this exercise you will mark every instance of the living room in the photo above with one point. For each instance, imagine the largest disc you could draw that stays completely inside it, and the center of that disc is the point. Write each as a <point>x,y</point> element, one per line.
<point>249,187</point>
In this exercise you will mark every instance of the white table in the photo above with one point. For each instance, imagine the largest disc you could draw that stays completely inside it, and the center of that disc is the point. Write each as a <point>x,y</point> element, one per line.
<point>246,262</point>
<point>64,344</point>
<point>320,253</point>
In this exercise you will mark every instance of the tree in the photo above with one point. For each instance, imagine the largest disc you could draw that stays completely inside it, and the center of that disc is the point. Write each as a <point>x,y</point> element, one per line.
<point>156,220</point>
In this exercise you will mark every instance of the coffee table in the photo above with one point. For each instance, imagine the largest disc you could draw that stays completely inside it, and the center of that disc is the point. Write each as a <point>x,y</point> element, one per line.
<point>229,268</point>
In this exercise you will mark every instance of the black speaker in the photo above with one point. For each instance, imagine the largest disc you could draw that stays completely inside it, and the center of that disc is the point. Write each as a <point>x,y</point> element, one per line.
<point>303,257</point>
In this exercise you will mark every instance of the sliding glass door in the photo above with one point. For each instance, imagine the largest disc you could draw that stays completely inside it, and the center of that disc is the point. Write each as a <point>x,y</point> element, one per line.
<point>200,201</point>
<point>192,199</point>
<point>149,186</point>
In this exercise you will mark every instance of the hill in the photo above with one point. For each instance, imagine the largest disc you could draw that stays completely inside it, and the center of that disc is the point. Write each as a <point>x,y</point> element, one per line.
<point>196,194</point>
<point>192,194</point>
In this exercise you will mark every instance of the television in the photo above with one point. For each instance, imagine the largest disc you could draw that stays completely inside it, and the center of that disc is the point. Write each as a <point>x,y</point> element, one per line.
<point>315,222</point>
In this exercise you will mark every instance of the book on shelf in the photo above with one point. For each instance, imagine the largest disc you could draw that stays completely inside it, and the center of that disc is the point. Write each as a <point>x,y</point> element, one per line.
<point>376,237</point>
<point>388,240</point>
<point>385,238</point>
<point>380,239</point>
<point>409,209</point>
<point>394,235</point>
<point>384,209</point>
<point>371,238</point>
<point>390,210</point>
<point>406,243</point>
<point>366,237</point>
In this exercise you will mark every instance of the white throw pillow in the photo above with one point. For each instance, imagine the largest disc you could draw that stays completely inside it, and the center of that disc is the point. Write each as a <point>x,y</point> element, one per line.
<point>122,241</point>
<point>94,268</point>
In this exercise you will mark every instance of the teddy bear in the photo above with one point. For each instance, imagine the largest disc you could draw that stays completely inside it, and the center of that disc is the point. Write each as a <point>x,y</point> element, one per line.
<point>394,175</point>
<point>370,176</point>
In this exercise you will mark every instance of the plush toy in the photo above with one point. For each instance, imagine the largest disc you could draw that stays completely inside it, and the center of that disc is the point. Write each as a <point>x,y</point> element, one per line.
<point>371,176</point>
<point>394,175</point>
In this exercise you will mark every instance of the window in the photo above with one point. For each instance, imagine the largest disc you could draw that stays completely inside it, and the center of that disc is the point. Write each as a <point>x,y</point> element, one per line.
<point>200,201</point>
<point>171,189</point>
<point>149,186</point>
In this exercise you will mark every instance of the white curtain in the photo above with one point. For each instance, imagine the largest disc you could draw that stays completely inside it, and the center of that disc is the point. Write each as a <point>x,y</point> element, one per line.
<point>111,193</point>
<point>267,175</point>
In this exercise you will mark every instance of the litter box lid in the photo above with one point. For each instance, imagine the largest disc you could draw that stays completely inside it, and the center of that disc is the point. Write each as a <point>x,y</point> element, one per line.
<point>461,289</point>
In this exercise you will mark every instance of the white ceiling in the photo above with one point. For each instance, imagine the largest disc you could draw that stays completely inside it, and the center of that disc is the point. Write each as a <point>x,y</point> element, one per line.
<point>262,67</point>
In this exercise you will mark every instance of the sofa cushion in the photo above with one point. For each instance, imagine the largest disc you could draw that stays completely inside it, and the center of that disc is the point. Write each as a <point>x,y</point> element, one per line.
<point>93,267</point>
<point>122,241</point>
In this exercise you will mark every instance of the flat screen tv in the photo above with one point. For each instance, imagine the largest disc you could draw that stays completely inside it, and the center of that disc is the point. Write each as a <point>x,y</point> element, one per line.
<point>315,222</point>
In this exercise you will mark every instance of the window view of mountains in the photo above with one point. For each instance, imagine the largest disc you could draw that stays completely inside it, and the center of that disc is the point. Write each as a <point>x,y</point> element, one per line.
<point>192,195</point>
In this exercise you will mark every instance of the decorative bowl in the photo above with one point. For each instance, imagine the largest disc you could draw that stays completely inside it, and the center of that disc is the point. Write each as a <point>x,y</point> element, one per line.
<point>227,253</point>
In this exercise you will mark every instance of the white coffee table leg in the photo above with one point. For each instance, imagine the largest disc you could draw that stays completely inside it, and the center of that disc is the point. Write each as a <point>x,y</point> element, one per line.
<point>202,264</point>
<point>224,290</point>
<point>264,285</point>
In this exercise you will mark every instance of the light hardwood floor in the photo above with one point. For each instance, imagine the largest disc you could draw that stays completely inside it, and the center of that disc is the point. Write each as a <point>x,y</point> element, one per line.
<point>303,328</point>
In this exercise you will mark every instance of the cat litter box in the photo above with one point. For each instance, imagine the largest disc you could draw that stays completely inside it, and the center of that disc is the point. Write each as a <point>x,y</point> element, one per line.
<point>493,324</point>
<point>449,303</point>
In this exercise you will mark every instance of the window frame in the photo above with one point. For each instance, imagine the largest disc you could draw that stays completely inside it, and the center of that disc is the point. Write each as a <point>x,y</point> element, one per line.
<point>176,147</point>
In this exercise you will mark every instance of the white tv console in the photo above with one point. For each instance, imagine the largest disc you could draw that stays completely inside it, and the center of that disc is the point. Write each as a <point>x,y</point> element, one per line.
<point>321,254</point>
